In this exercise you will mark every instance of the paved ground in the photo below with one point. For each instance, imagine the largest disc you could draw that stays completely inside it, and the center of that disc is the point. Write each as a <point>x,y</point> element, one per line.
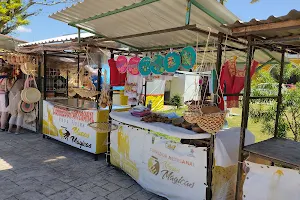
<point>33,168</point>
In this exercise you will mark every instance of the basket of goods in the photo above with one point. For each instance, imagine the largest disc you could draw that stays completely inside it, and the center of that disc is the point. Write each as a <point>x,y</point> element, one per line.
<point>103,127</point>
<point>192,116</point>
<point>211,119</point>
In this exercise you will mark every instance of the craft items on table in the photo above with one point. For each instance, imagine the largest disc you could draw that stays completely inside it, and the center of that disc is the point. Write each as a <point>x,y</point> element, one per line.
<point>188,57</point>
<point>172,62</point>
<point>140,111</point>
<point>157,64</point>
<point>133,66</point>
<point>116,78</point>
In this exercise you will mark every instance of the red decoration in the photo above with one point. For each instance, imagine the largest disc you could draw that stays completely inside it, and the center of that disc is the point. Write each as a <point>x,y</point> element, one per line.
<point>116,78</point>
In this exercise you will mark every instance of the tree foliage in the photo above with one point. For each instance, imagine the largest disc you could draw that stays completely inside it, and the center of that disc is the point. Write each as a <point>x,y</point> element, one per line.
<point>291,74</point>
<point>289,118</point>
<point>15,13</point>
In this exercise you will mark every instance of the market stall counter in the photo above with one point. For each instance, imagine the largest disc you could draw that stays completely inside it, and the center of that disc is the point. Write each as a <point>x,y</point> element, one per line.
<point>67,120</point>
<point>153,156</point>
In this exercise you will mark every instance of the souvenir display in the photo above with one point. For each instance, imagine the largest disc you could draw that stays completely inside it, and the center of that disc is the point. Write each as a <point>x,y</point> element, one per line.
<point>122,64</point>
<point>172,62</point>
<point>188,57</point>
<point>26,107</point>
<point>157,64</point>
<point>133,66</point>
<point>144,66</point>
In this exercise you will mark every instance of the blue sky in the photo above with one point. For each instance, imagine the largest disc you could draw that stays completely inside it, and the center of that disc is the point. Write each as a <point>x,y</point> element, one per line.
<point>42,27</point>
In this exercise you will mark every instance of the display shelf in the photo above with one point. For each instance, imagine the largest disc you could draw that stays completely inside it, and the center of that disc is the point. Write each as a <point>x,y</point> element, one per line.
<point>277,150</point>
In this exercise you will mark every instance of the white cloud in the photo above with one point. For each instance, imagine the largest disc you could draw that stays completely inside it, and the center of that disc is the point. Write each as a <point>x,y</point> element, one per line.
<point>23,29</point>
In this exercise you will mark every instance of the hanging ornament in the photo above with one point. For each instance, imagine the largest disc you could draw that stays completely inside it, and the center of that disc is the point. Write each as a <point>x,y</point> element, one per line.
<point>188,57</point>
<point>144,66</point>
<point>133,66</point>
<point>172,62</point>
<point>157,64</point>
<point>122,64</point>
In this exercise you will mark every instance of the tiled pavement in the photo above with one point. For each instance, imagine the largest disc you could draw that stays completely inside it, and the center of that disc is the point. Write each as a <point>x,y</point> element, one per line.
<point>33,168</point>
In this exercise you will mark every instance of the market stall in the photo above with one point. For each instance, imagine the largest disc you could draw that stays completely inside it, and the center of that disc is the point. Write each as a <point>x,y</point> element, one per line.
<point>70,92</point>
<point>174,162</point>
<point>282,179</point>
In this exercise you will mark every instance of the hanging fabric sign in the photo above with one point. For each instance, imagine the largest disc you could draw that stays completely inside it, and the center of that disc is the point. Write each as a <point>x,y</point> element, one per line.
<point>157,63</point>
<point>122,64</point>
<point>133,65</point>
<point>144,66</point>
<point>172,62</point>
<point>188,57</point>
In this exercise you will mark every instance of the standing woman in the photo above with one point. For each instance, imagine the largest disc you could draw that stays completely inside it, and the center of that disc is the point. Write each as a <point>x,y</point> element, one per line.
<point>5,85</point>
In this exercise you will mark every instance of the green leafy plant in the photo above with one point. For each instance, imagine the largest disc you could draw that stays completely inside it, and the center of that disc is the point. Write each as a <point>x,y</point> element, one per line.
<point>176,101</point>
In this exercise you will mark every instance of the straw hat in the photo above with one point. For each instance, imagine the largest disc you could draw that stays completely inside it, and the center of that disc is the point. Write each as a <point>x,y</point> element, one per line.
<point>25,107</point>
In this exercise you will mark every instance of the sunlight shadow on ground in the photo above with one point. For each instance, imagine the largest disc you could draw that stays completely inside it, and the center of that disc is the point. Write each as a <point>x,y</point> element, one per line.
<point>55,159</point>
<point>4,165</point>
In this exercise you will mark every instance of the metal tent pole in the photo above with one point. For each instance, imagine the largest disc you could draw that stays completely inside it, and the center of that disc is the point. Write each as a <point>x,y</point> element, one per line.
<point>44,85</point>
<point>245,115</point>
<point>109,118</point>
<point>40,105</point>
<point>279,98</point>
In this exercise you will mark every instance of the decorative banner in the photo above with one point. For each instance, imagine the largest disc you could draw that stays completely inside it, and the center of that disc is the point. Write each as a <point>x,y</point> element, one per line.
<point>122,64</point>
<point>188,57</point>
<point>144,66</point>
<point>157,64</point>
<point>70,126</point>
<point>268,182</point>
<point>172,62</point>
<point>133,66</point>
<point>172,170</point>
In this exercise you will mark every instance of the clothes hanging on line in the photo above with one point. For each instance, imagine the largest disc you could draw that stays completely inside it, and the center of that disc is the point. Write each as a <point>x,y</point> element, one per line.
<point>232,82</point>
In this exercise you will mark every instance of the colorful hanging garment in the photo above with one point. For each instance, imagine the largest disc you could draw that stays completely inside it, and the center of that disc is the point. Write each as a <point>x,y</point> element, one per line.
<point>116,78</point>
<point>232,82</point>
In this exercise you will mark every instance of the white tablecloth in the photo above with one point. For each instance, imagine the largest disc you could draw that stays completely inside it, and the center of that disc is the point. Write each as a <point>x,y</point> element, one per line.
<point>227,146</point>
<point>167,129</point>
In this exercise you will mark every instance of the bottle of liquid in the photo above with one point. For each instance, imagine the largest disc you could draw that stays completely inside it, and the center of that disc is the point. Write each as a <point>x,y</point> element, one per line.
<point>149,105</point>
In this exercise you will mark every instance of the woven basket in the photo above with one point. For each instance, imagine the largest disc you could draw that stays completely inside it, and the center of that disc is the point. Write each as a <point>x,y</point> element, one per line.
<point>192,116</point>
<point>212,122</point>
<point>86,93</point>
<point>194,107</point>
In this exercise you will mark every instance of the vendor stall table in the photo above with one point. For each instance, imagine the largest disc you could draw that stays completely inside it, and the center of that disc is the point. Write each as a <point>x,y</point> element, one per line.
<point>67,120</point>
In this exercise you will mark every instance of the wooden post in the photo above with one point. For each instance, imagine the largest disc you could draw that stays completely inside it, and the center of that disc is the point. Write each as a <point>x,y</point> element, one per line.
<point>279,98</point>
<point>245,115</point>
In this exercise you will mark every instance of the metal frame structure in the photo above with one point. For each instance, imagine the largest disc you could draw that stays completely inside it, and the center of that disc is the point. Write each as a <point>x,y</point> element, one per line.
<point>220,37</point>
<point>277,150</point>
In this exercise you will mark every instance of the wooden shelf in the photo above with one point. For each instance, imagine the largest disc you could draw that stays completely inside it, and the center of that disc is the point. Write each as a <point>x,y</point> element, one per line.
<point>277,150</point>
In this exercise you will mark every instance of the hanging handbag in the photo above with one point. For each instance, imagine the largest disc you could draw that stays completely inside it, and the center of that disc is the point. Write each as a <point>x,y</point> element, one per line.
<point>6,95</point>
